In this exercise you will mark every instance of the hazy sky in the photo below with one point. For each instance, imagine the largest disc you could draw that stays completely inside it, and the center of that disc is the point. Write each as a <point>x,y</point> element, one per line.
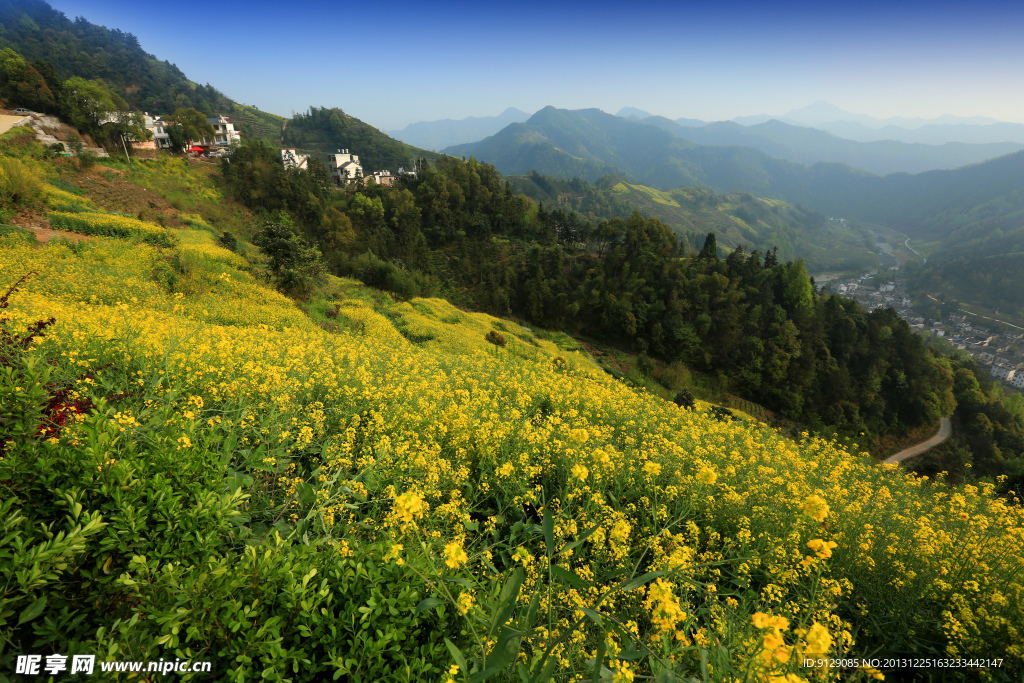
<point>395,62</point>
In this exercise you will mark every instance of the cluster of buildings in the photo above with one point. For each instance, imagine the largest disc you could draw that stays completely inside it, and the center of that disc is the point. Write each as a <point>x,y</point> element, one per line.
<point>343,166</point>
<point>224,134</point>
<point>1002,354</point>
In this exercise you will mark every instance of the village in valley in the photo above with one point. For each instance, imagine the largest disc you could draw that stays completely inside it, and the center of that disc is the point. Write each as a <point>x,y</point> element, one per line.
<point>999,352</point>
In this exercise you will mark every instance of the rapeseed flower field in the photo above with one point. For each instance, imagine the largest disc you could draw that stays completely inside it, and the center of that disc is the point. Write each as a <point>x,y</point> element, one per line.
<point>393,497</point>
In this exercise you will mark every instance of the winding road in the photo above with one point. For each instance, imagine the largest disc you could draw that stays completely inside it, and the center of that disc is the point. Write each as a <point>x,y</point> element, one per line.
<point>945,431</point>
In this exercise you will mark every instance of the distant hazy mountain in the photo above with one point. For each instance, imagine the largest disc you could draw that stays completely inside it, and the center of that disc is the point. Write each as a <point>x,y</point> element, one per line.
<point>691,122</point>
<point>820,113</point>
<point>436,135</point>
<point>628,112</point>
<point>932,134</point>
<point>864,128</point>
<point>810,146</point>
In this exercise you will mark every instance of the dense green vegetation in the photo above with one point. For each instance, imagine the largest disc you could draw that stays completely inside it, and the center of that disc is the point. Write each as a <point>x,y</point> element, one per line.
<point>326,129</point>
<point>59,48</point>
<point>737,218</point>
<point>988,430</point>
<point>757,326</point>
<point>994,282</point>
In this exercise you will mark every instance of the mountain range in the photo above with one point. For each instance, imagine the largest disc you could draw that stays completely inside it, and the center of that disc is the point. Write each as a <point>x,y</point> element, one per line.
<point>810,146</point>
<point>864,128</point>
<point>590,143</point>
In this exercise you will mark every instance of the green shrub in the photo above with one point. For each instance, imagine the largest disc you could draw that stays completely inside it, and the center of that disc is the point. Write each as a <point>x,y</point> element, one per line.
<point>87,160</point>
<point>109,225</point>
<point>387,276</point>
<point>20,183</point>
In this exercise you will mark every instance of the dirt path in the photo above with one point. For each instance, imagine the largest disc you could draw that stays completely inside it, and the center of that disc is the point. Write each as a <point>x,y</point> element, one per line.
<point>945,431</point>
<point>40,227</point>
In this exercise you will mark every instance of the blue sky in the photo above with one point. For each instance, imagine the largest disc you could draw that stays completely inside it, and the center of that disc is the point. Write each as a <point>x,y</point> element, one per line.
<point>396,62</point>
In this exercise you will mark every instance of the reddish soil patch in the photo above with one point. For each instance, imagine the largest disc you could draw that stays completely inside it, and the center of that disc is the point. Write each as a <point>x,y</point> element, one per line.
<point>40,227</point>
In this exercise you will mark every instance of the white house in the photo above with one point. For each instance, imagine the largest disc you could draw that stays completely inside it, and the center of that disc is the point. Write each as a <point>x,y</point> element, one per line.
<point>1017,381</point>
<point>383,178</point>
<point>344,166</point>
<point>158,129</point>
<point>292,159</point>
<point>224,132</point>
<point>1000,372</point>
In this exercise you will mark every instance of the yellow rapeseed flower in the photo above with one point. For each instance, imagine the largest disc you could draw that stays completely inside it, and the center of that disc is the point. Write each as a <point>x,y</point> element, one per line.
<point>454,555</point>
<point>815,507</point>
<point>707,475</point>
<point>409,506</point>
<point>822,549</point>
<point>465,603</point>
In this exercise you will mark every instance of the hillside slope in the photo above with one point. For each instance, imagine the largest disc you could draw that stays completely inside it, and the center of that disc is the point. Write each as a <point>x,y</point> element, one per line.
<point>324,130</point>
<point>737,219</point>
<point>389,490</point>
<point>37,31</point>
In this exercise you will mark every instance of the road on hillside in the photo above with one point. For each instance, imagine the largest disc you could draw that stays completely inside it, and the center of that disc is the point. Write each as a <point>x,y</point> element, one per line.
<point>945,431</point>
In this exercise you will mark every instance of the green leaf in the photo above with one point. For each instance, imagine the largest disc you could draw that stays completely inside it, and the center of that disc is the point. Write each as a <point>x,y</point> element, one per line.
<point>33,610</point>
<point>582,537</point>
<point>306,493</point>
<point>664,676</point>
<point>507,599</point>
<point>485,674</point>
<point>531,611</point>
<point>237,480</point>
<point>548,671</point>
<point>599,658</point>
<point>595,616</point>
<point>429,603</point>
<point>505,649</point>
<point>457,654</point>
<point>549,531</point>
<point>641,580</point>
<point>569,577</point>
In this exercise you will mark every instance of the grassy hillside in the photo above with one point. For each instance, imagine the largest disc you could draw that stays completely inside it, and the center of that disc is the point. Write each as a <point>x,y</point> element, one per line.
<point>736,218</point>
<point>195,466</point>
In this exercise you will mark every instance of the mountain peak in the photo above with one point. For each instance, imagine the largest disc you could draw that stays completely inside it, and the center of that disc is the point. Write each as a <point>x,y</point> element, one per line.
<point>627,112</point>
